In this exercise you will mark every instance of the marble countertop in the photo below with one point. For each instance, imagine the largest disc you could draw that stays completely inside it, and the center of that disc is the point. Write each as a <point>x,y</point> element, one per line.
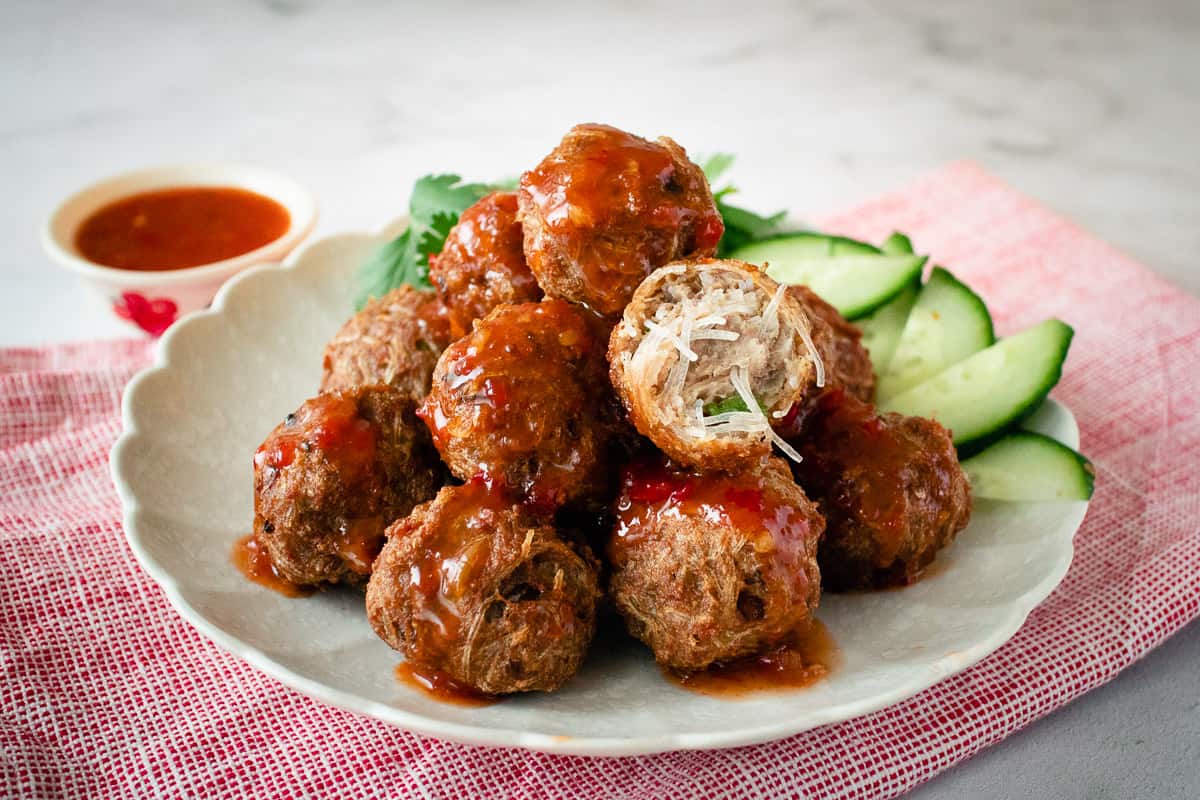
<point>1092,108</point>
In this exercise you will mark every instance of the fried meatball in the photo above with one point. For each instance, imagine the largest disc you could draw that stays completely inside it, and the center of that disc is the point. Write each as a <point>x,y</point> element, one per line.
<point>482,264</point>
<point>394,341</point>
<point>890,488</point>
<point>483,590</point>
<point>707,356</point>
<point>523,400</point>
<point>606,208</point>
<point>709,568</point>
<point>333,476</point>
<point>839,343</point>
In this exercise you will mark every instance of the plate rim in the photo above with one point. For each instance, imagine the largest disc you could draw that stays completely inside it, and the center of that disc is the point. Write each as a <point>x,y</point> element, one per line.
<point>926,675</point>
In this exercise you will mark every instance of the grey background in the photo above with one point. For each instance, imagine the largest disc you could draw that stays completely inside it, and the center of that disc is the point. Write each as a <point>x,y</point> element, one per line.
<point>1091,107</point>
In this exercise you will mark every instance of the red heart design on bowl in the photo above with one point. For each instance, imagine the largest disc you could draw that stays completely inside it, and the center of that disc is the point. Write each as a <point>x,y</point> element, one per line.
<point>152,316</point>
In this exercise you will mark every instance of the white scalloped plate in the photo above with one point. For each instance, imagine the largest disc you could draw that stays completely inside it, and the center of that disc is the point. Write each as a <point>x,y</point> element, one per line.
<point>225,376</point>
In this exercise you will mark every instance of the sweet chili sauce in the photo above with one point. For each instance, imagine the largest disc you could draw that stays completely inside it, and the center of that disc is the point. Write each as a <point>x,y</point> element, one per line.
<point>806,658</point>
<point>457,549</point>
<point>253,561</point>
<point>622,183</point>
<point>839,432</point>
<point>441,686</point>
<point>652,490</point>
<point>181,227</point>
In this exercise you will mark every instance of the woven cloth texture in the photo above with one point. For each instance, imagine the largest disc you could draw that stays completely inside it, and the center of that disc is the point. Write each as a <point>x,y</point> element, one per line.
<point>106,692</point>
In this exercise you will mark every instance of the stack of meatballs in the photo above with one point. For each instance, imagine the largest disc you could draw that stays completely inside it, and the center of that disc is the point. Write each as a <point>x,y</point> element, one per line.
<point>588,409</point>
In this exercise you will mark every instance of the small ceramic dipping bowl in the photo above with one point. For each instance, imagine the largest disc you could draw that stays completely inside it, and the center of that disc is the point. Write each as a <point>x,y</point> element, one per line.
<point>154,298</point>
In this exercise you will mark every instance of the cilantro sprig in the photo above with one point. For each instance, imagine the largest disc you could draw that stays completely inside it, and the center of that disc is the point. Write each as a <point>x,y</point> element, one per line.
<point>439,200</point>
<point>741,226</point>
<point>436,204</point>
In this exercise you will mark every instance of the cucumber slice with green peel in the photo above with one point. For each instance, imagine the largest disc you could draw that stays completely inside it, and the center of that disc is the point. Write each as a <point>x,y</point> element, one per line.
<point>897,244</point>
<point>883,326</point>
<point>1029,466</point>
<point>983,394</point>
<point>805,244</point>
<point>854,284</point>
<point>948,323</point>
<point>841,246</point>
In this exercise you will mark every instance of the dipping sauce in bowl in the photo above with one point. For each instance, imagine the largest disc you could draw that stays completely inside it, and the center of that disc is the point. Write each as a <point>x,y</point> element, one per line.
<point>158,243</point>
<point>180,227</point>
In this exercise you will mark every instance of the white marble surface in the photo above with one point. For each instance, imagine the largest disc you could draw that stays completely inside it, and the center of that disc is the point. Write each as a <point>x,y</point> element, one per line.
<point>1092,107</point>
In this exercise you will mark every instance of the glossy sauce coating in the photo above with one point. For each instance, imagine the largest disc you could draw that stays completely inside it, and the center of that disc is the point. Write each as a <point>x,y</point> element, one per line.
<point>453,552</point>
<point>807,657</point>
<point>253,561</point>
<point>606,208</point>
<point>890,487</point>
<point>708,568</point>
<point>522,402</point>
<point>482,589</point>
<point>178,228</point>
<point>332,475</point>
<point>652,492</point>
<point>851,432</point>
<point>330,423</point>
<point>482,263</point>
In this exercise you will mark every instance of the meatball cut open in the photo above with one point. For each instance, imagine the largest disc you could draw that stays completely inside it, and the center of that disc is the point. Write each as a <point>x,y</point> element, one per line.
<point>482,264</point>
<point>605,208</point>
<point>481,589</point>
<point>890,487</point>
<point>395,341</point>
<point>332,476</point>
<point>839,344</point>
<point>707,568</point>
<point>708,356</point>
<point>523,400</point>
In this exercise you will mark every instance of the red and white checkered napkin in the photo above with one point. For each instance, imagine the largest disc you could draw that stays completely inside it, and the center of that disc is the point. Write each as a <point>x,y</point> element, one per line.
<point>106,692</point>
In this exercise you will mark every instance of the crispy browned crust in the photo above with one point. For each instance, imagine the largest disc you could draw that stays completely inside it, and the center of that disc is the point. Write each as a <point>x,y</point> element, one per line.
<point>321,528</point>
<point>700,592</point>
<point>395,340</point>
<point>548,435</point>
<point>555,253</point>
<point>640,399</point>
<point>847,363</point>
<point>528,614</point>
<point>482,264</point>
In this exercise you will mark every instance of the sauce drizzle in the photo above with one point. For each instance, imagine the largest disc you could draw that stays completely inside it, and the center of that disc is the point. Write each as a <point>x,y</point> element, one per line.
<point>442,687</point>
<point>253,561</point>
<point>801,662</point>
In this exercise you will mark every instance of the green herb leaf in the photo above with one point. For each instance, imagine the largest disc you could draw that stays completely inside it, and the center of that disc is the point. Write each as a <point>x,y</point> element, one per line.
<point>741,226</point>
<point>717,165</point>
<point>442,194</point>
<point>391,265</point>
<point>734,403</point>
<point>436,204</point>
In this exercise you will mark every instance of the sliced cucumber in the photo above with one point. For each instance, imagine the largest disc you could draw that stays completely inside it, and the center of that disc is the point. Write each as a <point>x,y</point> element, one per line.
<point>897,244</point>
<point>1029,466</point>
<point>841,246</point>
<point>948,323</point>
<point>883,326</point>
<point>855,284</point>
<point>983,394</point>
